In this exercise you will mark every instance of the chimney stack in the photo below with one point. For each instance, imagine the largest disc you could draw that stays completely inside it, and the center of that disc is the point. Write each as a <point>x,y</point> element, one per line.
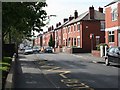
<point>91,12</point>
<point>52,27</point>
<point>75,14</point>
<point>59,23</point>
<point>100,9</point>
<point>70,18</point>
<point>64,20</point>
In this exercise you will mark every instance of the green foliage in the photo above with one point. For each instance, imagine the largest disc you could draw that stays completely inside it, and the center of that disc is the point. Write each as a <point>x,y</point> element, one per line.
<point>51,41</point>
<point>7,60</point>
<point>19,19</point>
<point>102,44</point>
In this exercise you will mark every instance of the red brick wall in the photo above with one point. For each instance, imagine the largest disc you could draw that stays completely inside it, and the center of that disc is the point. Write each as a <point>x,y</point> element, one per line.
<point>108,18</point>
<point>93,27</point>
<point>110,24</point>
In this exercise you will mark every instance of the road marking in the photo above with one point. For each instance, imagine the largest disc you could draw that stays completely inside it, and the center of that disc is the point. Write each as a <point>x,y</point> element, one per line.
<point>55,68</point>
<point>65,72</point>
<point>75,84</point>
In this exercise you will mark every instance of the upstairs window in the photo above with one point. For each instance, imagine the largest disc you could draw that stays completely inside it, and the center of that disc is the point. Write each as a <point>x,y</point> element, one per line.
<point>68,29</point>
<point>114,14</point>
<point>78,27</point>
<point>102,25</point>
<point>74,28</point>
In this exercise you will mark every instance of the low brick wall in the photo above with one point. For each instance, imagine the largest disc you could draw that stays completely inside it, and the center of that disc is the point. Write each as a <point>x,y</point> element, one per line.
<point>57,50</point>
<point>96,53</point>
<point>10,77</point>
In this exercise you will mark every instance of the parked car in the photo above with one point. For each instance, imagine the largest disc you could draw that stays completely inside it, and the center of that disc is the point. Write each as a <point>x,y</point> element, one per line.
<point>28,50</point>
<point>48,50</point>
<point>113,55</point>
<point>36,49</point>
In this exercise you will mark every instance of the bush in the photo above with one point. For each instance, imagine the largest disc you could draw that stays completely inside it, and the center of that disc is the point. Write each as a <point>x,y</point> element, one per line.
<point>7,60</point>
<point>5,67</point>
<point>102,44</point>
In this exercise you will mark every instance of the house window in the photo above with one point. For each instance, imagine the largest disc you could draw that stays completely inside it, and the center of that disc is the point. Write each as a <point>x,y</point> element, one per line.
<point>102,25</point>
<point>78,41</point>
<point>114,14</point>
<point>78,27</point>
<point>74,41</point>
<point>69,42</point>
<point>111,36</point>
<point>66,42</point>
<point>74,28</point>
<point>68,29</point>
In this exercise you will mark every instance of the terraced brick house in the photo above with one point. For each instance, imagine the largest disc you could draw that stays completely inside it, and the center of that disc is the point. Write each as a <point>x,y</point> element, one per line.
<point>112,20</point>
<point>46,36</point>
<point>77,32</point>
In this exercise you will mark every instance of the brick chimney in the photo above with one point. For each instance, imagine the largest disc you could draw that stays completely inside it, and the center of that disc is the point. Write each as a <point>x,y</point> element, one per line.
<point>52,27</point>
<point>70,18</point>
<point>57,25</point>
<point>100,9</point>
<point>75,14</point>
<point>64,20</point>
<point>91,12</point>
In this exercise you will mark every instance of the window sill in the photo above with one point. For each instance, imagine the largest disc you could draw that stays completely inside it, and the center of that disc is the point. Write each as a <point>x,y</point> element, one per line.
<point>114,20</point>
<point>111,42</point>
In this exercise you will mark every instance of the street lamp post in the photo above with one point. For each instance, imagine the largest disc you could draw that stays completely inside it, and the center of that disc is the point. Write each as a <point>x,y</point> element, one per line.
<point>49,16</point>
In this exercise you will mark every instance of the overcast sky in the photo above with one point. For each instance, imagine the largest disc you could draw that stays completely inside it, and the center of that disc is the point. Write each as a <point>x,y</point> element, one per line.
<point>65,8</point>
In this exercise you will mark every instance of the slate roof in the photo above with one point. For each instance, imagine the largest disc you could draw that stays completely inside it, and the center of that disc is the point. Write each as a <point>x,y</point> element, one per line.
<point>86,16</point>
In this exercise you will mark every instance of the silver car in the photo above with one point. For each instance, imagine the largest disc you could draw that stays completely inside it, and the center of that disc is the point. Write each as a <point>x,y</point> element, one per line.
<point>28,50</point>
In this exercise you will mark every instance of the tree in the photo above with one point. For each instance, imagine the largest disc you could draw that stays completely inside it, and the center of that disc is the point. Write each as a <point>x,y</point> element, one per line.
<point>21,18</point>
<point>51,41</point>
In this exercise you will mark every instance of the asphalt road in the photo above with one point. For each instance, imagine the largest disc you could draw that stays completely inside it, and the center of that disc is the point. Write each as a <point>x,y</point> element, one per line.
<point>72,68</point>
<point>64,71</point>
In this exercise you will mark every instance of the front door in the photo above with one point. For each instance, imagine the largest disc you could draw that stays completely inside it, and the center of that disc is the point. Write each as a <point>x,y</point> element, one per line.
<point>119,39</point>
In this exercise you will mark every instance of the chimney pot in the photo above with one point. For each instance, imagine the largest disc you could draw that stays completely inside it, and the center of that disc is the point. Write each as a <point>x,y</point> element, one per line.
<point>75,14</point>
<point>70,18</point>
<point>52,27</point>
<point>64,20</point>
<point>91,12</point>
<point>59,23</point>
<point>100,9</point>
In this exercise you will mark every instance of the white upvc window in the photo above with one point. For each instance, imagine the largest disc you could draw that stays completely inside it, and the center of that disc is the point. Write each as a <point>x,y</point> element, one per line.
<point>69,29</point>
<point>78,27</point>
<point>102,23</point>
<point>78,42</point>
<point>111,36</point>
<point>114,14</point>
